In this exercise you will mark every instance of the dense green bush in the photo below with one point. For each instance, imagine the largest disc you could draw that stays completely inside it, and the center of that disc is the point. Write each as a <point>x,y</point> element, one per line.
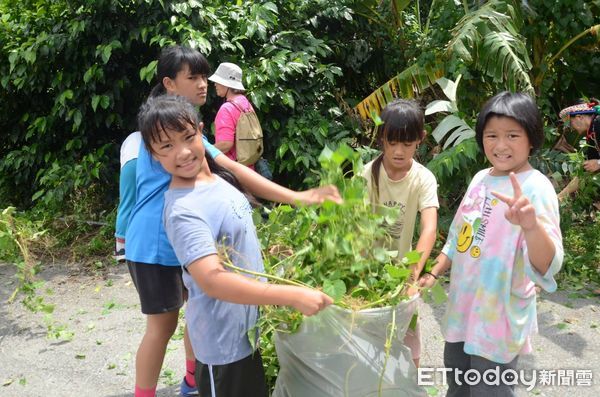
<point>69,91</point>
<point>74,73</point>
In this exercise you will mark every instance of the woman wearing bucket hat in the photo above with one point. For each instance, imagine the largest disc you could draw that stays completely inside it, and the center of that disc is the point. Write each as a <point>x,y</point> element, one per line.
<point>583,118</point>
<point>152,262</point>
<point>228,84</point>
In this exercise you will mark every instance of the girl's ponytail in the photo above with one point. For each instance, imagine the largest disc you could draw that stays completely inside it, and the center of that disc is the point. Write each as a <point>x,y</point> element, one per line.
<point>226,175</point>
<point>158,90</point>
<point>375,172</point>
<point>172,60</point>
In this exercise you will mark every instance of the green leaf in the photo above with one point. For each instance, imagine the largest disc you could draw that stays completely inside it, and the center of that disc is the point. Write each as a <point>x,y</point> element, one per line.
<point>271,7</point>
<point>411,257</point>
<point>95,101</point>
<point>106,53</point>
<point>449,87</point>
<point>561,326</point>
<point>12,59</point>
<point>397,272</point>
<point>147,72</point>
<point>439,106</point>
<point>89,74</point>
<point>380,254</point>
<point>458,129</point>
<point>406,84</point>
<point>203,44</point>
<point>77,117</point>
<point>413,322</point>
<point>29,56</point>
<point>38,194</point>
<point>288,99</point>
<point>438,293</point>
<point>325,155</point>
<point>489,39</point>
<point>104,101</point>
<point>336,289</point>
<point>285,208</point>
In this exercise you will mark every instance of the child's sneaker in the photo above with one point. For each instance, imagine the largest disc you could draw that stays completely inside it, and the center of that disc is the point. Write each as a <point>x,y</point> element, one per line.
<point>186,390</point>
<point>119,253</point>
<point>119,256</point>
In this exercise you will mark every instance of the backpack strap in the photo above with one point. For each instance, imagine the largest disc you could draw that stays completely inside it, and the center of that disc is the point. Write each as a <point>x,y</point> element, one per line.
<point>238,107</point>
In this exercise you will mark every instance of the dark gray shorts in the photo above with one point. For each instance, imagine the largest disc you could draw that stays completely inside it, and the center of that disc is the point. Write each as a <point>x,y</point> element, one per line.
<point>456,358</point>
<point>160,287</point>
<point>243,378</point>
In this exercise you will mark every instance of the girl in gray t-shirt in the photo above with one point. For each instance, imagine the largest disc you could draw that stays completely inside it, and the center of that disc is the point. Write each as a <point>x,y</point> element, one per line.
<point>205,213</point>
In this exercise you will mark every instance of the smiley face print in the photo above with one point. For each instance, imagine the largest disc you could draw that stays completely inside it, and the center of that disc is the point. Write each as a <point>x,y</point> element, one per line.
<point>465,237</point>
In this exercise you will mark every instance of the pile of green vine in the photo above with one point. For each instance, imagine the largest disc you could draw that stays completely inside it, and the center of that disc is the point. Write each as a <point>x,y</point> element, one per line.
<point>338,248</point>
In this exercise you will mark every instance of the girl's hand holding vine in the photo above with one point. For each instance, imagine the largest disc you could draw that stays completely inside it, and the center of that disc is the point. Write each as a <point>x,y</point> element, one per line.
<point>427,280</point>
<point>591,165</point>
<point>520,210</point>
<point>309,301</point>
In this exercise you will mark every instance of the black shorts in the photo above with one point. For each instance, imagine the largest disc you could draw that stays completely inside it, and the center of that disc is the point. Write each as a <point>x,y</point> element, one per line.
<point>243,378</point>
<point>160,287</point>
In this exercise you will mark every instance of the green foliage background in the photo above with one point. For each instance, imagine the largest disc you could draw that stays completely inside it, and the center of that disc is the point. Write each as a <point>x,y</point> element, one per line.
<point>73,74</point>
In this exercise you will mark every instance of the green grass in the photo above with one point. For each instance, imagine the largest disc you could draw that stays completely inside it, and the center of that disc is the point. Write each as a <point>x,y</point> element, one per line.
<point>581,240</point>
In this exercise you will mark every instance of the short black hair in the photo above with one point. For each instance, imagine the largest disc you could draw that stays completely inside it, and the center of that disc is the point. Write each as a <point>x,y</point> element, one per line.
<point>173,59</point>
<point>165,112</point>
<point>519,107</point>
<point>176,113</point>
<point>403,121</point>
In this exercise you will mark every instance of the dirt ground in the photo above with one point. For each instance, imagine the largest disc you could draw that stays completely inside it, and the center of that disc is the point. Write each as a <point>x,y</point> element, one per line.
<point>100,312</point>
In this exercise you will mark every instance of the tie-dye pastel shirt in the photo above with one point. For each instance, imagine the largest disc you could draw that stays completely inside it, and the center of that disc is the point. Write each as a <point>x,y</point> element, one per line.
<point>492,298</point>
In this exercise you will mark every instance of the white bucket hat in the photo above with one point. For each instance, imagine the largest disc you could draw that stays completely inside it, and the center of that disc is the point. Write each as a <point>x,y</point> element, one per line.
<point>229,75</point>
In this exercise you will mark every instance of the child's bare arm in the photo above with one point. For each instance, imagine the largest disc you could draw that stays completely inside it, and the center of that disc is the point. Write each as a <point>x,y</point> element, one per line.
<point>219,283</point>
<point>427,237</point>
<point>442,265</point>
<point>264,188</point>
<point>521,212</point>
<point>540,248</point>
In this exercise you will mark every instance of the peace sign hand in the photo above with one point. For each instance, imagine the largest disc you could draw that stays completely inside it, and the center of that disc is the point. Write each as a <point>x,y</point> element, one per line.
<point>520,211</point>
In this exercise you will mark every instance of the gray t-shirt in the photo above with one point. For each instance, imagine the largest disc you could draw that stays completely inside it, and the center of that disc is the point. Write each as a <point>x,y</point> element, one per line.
<point>197,221</point>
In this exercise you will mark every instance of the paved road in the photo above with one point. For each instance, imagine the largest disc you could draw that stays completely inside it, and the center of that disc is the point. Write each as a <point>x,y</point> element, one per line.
<point>103,314</point>
<point>569,328</point>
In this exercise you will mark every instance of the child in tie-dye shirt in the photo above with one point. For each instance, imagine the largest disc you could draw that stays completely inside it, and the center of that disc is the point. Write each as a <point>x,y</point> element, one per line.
<point>504,239</point>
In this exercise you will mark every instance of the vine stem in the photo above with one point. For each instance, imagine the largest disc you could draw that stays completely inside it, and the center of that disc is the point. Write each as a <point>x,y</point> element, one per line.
<point>388,347</point>
<point>347,379</point>
<point>265,275</point>
<point>390,297</point>
<point>13,295</point>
